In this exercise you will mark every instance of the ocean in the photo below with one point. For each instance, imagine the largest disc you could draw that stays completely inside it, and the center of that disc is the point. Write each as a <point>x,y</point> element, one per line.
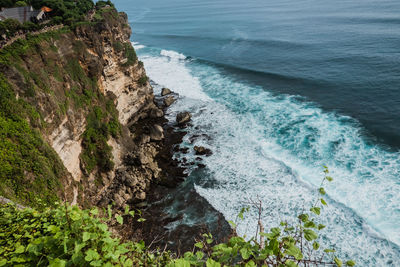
<point>278,89</point>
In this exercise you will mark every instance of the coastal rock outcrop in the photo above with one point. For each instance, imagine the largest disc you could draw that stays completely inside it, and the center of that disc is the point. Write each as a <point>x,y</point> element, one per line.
<point>201,150</point>
<point>169,100</point>
<point>183,117</point>
<point>165,91</point>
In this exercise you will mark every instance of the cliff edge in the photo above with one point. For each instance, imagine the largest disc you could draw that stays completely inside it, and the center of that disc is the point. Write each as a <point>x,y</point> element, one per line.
<point>72,106</point>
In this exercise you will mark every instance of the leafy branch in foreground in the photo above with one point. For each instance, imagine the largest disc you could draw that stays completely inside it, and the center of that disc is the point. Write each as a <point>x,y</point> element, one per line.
<point>68,236</point>
<point>286,245</point>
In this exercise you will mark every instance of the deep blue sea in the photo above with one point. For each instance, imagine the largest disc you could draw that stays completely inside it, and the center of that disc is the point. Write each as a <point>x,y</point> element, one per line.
<point>277,89</point>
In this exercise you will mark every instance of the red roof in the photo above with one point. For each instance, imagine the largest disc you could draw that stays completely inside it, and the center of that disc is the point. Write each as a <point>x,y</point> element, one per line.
<point>46,9</point>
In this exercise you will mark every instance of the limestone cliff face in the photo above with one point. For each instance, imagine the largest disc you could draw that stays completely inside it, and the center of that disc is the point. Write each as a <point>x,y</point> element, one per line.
<point>92,72</point>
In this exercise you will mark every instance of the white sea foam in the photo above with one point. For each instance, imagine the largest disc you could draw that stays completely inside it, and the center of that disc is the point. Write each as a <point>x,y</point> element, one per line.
<point>137,46</point>
<point>173,55</point>
<point>165,72</point>
<point>274,147</point>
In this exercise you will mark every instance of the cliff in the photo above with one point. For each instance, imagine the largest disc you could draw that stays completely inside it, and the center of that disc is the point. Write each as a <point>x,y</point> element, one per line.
<point>78,118</point>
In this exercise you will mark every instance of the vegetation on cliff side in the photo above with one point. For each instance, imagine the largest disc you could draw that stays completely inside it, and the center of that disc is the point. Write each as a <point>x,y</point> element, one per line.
<point>28,165</point>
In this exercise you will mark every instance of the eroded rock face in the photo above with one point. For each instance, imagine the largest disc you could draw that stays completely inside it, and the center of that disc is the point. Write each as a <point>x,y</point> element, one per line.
<point>169,100</point>
<point>183,118</point>
<point>156,132</point>
<point>96,56</point>
<point>201,150</point>
<point>165,91</point>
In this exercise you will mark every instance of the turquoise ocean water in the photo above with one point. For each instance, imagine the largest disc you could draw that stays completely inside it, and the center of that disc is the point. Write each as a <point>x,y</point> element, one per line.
<point>282,88</point>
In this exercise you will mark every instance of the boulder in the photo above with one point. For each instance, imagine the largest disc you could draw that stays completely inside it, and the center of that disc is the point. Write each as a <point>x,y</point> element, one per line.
<point>165,91</point>
<point>156,113</point>
<point>183,117</point>
<point>201,150</point>
<point>156,132</point>
<point>169,100</point>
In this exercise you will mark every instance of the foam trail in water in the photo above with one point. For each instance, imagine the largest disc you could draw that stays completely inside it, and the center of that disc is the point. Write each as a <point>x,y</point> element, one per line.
<point>137,46</point>
<point>172,54</point>
<point>274,147</point>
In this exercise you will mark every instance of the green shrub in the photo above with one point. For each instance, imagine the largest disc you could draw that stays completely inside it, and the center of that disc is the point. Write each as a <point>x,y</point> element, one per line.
<point>67,236</point>
<point>21,3</point>
<point>130,54</point>
<point>96,151</point>
<point>143,80</point>
<point>102,4</point>
<point>118,47</point>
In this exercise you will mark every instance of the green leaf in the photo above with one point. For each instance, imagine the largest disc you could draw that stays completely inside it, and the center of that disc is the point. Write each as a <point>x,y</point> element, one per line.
<point>94,211</point>
<point>20,249</point>
<point>338,262</point>
<point>132,213</point>
<point>290,263</point>
<point>126,210</point>
<point>310,224</point>
<point>91,255</point>
<point>211,263</point>
<point>330,179</point>
<point>128,262</point>
<point>245,253</point>
<point>250,264</point>
<point>181,263</point>
<point>322,191</point>
<point>294,251</point>
<point>199,255</point>
<point>323,201</point>
<point>119,219</point>
<point>199,245</point>
<point>100,263</point>
<point>232,224</point>
<point>321,226</point>
<point>303,217</point>
<point>103,227</point>
<point>316,210</point>
<point>3,262</point>
<point>57,263</point>
<point>315,245</point>
<point>85,236</point>
<point>350,263</point>
<point>310,234</point>
<point>329,250</point>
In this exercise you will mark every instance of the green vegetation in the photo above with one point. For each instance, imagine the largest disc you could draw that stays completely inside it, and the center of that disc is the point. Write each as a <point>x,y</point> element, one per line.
<point>23,47</point>
<point>24,154</point>
<point>130,54</point>
<point>96,150</point>
<point>69,236</point>
<point>28,166</point>
<point>102,4</point>
<point>143,80</point>
<point>66,12</point>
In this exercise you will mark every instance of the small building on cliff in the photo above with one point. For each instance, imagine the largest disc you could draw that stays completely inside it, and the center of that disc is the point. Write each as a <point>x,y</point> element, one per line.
<point>25,13</point>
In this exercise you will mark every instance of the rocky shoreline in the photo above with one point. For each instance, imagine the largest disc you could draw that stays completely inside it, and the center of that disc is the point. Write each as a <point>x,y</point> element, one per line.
<point>176,215</point>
